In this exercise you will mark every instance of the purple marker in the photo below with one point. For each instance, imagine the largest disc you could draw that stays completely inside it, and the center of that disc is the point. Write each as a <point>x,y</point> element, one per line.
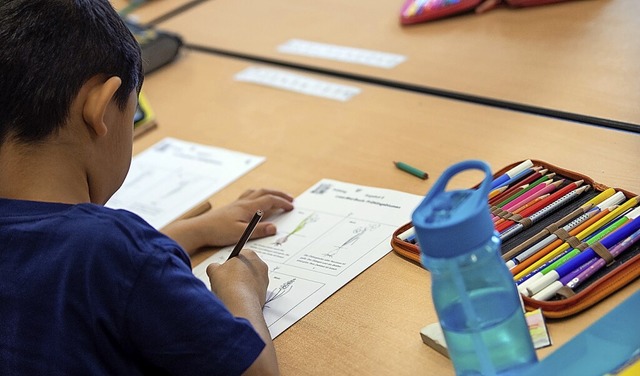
<point>600,263</point>
<point>566,279</point>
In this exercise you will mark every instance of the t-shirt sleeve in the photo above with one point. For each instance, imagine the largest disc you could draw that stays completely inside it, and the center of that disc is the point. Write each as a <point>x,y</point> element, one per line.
<point>180,327</point>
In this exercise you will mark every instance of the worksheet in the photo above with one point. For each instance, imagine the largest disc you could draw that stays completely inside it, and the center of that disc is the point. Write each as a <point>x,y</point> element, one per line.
<point>171,177</point>
<point>336,231</point>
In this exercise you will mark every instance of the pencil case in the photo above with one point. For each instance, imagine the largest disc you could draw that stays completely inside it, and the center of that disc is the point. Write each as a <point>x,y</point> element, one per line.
<point>159,47</point>
<point>619,271</point>
<point>416,11</point>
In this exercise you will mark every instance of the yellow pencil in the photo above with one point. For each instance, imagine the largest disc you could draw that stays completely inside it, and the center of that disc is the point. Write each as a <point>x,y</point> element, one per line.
<point>497,191</point>
<point>600,197</point>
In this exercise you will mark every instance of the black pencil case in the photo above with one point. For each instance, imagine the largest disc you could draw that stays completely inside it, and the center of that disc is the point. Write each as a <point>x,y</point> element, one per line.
<point>159,47</point>
<point>621,271</point>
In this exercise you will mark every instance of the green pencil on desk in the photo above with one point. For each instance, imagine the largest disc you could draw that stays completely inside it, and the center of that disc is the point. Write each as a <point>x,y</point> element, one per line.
<point>412,170</point>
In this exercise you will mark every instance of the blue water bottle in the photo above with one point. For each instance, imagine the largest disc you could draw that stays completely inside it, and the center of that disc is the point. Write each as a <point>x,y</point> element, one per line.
<point>473,291</point>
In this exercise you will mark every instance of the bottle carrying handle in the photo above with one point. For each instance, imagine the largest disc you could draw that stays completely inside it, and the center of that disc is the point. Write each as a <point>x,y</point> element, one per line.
<point>480,194</point>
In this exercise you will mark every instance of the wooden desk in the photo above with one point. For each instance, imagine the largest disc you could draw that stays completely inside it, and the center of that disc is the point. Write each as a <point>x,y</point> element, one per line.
<point>370,326</point>
<point>579,57</point>
<point>152,9</point>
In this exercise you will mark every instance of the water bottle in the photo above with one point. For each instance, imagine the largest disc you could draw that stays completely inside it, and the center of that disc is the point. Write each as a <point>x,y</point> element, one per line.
<point>473,291</point>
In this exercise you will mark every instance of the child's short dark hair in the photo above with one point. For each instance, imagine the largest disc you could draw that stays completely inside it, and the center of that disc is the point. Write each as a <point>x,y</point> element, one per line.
<point>48,50</point>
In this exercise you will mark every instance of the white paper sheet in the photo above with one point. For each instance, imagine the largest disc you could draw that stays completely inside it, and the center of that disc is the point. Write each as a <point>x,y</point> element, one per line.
<point>336,231</point>
<point>173,176</point>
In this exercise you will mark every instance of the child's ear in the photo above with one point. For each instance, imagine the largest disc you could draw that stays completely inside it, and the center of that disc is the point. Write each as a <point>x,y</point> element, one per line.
<point>95,106</point>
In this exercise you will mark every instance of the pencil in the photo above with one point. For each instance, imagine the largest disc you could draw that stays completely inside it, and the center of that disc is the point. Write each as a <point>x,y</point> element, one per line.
<point>547,235</point>
<point>535,217</point>
<point>526,189</point>
<point>246,235</point>
<point>523,184</point>
<point>540,204</point>
<point>412,170</point>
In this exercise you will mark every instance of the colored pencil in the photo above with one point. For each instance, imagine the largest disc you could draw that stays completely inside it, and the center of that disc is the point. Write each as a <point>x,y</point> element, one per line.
<point>539,205</point>
<point>411,170</point>
<point>566,221</point>
<point>518,185</point>
<point>521,200</point>
<point>601,197</point>
<point>505,200</point>
<point>511,231</point>
<point>541,243</point>
<point>519,210</point>
<point>497,192</point>
<point>538,191</point>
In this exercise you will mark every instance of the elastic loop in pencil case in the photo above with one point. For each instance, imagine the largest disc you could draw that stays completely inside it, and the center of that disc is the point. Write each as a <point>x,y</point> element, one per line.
<point>603,252</point>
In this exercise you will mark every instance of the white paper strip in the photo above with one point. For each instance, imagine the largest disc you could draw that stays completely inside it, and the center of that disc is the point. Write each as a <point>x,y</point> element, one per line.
<point>300,84</point>
<point>340,53</point>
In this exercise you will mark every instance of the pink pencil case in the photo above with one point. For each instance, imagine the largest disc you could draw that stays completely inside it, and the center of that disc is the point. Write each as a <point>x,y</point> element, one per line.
<point>416,11</point>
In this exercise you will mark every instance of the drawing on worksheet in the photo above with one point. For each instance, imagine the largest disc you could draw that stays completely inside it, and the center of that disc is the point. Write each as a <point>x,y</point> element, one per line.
<point>278,291</point>
<point>357,234</point>
<point>310,219</point>
<point>287,293</point>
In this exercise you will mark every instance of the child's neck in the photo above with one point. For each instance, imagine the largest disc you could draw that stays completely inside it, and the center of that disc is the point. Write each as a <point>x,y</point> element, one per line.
<point>48,172</point>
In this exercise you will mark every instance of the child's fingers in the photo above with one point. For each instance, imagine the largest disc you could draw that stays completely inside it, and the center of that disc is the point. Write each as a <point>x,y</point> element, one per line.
<point>264,229</point>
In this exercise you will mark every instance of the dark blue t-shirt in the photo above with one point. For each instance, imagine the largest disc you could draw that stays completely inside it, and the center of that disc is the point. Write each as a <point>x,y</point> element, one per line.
<point>88,290</point>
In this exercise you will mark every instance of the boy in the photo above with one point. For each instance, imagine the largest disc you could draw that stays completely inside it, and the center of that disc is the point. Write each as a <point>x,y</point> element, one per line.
<point>89,290</point>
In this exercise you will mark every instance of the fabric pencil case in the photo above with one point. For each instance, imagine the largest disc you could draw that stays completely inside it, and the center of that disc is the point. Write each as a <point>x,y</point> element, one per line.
<point>618,271</point>
<point>416,11</point>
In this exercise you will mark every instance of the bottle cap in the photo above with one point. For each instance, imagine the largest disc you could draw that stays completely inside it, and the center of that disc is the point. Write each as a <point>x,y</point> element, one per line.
<point>451,223</point>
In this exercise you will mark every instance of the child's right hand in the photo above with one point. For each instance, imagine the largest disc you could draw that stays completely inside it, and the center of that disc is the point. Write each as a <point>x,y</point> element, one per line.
<point>242,280</point>
<point>241,283</point>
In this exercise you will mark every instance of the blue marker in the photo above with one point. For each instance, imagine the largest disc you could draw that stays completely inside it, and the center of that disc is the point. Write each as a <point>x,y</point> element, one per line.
<point>502,179</point>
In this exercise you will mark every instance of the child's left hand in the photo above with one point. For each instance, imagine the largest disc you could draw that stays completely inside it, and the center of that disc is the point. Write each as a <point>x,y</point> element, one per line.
<point>223,226</point>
